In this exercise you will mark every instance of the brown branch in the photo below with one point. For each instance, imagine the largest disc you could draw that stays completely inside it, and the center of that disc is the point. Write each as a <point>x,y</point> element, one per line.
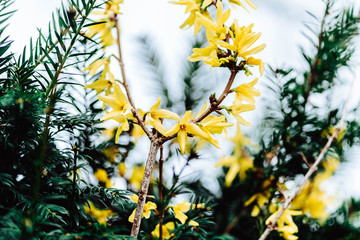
<point>161,164</point>
<point>154,147</point>
<point>213,107</point>
<point>312,169</point>
<point>134,110</point>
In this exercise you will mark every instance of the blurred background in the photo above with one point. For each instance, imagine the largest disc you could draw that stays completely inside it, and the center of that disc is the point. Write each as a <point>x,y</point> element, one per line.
<point>281,23</point>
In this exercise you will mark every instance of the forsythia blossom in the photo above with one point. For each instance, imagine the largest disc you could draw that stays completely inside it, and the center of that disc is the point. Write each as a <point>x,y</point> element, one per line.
<point>156,114</point>
<point>185,207</point>
<point>118,102</point>
<point>285,225</point>
<point>147,208</point>
<point>166,230</point>
<point>100,215</point>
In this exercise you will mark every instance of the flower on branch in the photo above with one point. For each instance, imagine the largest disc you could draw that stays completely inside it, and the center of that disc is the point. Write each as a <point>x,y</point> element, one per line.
<point>155,115</point>
<point>285,225</point>
<point>184,127</point>
<point>118,102</point>
<point>246,92</point>
<point>183,207</point>
<point>147,208</point>
<point>166,230</point>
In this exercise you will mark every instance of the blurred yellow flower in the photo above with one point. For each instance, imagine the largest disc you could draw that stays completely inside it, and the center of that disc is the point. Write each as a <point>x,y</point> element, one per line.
<point>113,6</point>
<point>261,199</point>
<point>100,215</point>
<point>104,28</point>
<point>285,225</point>
<point>121,168</point>
<point>102,84</point>
<point>238,165</point>
<point>101,175</point>
<point>312,200</point>
<point>183,207</point>
<point>147,208</point>
<point>237,2</point>
<point>166,230</point>
<point>184,127</point>
<point>155,114</point>
<point>137,176</point>
<point>97,64</point>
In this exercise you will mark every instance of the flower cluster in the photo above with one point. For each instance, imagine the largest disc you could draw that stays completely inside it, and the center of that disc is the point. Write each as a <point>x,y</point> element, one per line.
<point>106,23</point>
<point>228,46</point>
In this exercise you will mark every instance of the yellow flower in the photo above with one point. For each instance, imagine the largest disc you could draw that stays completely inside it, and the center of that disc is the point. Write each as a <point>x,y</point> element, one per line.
<point>285,225</point>
<point>209,55</point>
<point>101,175</point>
<point>237,2</point>
<point>147,208</point>
<point>104,28</point>
<point>243,39</point>
<point>239,140</point>
<point>100,215</point>
<point>257,62</point>
<point>193,7</point>
<point>121,168</point>
<point>247,92</point>
<point>185,207</point>
<point>156,114</point>
<point>261,199</point>
<point>217,27</point>
<point>97,64</point>
<point>238,165</point>
<point>101,84</point>
<point>312,200</point>
<point>137,176</point>
<point>166,230</point>
<point>213,124</point>
<point>238,108</point>
<point>118,102</point>
<point>184,127</point>
<point>113,6</point>
<point>108,183</point>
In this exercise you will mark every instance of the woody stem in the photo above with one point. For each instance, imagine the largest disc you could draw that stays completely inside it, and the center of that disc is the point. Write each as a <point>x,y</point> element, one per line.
<point>154,147</point>
<point>134,110</point>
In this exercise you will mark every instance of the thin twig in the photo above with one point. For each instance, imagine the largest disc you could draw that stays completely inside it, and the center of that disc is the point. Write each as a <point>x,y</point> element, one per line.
<point>154,147</point>
<point>125,84</point>
<point>161,163</point>
<point>312,169</point>
<point>213,107</point>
